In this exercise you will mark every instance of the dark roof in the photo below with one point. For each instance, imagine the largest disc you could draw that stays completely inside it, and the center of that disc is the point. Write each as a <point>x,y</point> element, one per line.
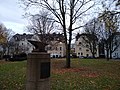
<point>50,37</point>
<point>19,37</point>
<point>85,34</point>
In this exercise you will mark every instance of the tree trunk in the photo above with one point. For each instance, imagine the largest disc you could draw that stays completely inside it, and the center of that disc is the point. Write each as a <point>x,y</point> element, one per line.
<point>107,51</point>
<point>93,55</point>
<point>110,48</point>
<point>68,48</point>
<point>110,54</point>
<point>67,56</point>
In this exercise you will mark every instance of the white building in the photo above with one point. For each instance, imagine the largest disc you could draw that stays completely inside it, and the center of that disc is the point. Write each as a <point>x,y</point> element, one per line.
<point>82,50</point>
<point>20,44</point>
<point>116,46</point>
<point>56,49</point>
<point>116,53</point>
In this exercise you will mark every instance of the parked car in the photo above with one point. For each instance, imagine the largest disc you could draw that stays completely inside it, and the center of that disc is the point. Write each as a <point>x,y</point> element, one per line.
<point>81,57</point>
<point>90,57</point>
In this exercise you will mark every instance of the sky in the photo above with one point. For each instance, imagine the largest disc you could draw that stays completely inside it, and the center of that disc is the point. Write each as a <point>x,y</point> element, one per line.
<point>11,16</point>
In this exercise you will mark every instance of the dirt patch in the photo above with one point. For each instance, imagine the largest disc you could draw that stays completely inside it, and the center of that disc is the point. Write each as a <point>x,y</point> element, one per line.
<point>85,72</point>
<point>92,74</point>
<point>3,62</point>
<point>65,70</point>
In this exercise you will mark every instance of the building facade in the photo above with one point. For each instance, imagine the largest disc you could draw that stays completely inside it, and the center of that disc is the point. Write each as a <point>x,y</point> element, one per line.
<point>56,49</point>
<point>115,46</point>
<point>20,44</point>
<point>56,45</point>
<point>82,49</point>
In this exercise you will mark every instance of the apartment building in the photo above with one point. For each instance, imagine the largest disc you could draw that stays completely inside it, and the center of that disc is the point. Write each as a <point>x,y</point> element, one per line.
<point>20,44</point>
<point>82,49</point>
<point>56,49</point>
<point>56,46</point>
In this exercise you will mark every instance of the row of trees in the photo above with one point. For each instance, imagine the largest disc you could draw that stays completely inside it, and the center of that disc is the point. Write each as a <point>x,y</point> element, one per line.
<point>104,30</point>
<point>68,14</point>
<point>100,33</point>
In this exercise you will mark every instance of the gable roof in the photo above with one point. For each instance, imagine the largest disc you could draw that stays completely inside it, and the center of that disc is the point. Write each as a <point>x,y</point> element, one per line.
<point>50,37</point>
<point>87,35</point>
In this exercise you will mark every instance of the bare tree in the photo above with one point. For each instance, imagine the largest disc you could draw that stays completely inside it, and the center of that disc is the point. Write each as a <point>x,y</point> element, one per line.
<point>108,32</point>
<point>67,13</point>
<point>8,44</point>
<point>110,18</point>
<point>117,4</point>
<point>111,5</point>
<point>41,25</point>
<point>90,37</point>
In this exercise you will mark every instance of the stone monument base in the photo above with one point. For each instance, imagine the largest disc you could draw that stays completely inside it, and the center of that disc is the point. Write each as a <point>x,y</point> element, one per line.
<point>40,85</point>
<point>38,71</point>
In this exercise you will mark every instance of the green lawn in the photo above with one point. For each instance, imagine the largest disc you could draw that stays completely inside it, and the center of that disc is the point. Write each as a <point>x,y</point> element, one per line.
<point>84,75</point>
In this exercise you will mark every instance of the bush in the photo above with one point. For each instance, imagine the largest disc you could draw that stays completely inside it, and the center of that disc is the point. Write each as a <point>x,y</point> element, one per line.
<point>6,57</point>
<point>19,57</point>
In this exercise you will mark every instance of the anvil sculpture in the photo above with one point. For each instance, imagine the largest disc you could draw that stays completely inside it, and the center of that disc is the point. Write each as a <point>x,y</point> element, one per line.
<point>39,46</point>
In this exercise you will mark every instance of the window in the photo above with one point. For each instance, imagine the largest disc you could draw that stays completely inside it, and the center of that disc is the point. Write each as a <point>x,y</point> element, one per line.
<point>87,50</point>
<point>80,48</point>
<point>83,38</point>
<point>48,48</point>
<point>87,46</point>
<point>87,55</point>
<point>80,43</point>
<point>81,53</point>
<point>16,38</point>
<point>116,49</point>
<point>60,48</point>
<point>56,48</point>
<point>78,53</point>
<point>95,53</point>
<point>60,56</point>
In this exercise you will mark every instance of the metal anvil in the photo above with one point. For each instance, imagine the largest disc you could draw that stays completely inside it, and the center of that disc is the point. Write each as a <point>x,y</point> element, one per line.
<point>39,46</point>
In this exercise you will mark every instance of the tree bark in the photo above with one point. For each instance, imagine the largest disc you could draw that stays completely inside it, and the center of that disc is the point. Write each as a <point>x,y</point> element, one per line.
<point>110,54</point>
<point>107,52</point>
<point>68,56</point>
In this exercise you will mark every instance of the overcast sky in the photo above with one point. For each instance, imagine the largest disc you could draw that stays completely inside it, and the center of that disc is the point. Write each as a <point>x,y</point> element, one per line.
<point>11,15</point>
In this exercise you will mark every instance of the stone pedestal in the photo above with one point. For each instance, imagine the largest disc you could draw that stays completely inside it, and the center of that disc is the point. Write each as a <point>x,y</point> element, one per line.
<point>38,71</point>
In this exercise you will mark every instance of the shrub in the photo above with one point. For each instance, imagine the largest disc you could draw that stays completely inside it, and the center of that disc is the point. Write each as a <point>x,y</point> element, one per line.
<point>19,57</point>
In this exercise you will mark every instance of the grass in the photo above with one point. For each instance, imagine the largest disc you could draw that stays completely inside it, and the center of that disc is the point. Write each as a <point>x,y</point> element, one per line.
<point>84,75</point>
<point>12,75</point>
